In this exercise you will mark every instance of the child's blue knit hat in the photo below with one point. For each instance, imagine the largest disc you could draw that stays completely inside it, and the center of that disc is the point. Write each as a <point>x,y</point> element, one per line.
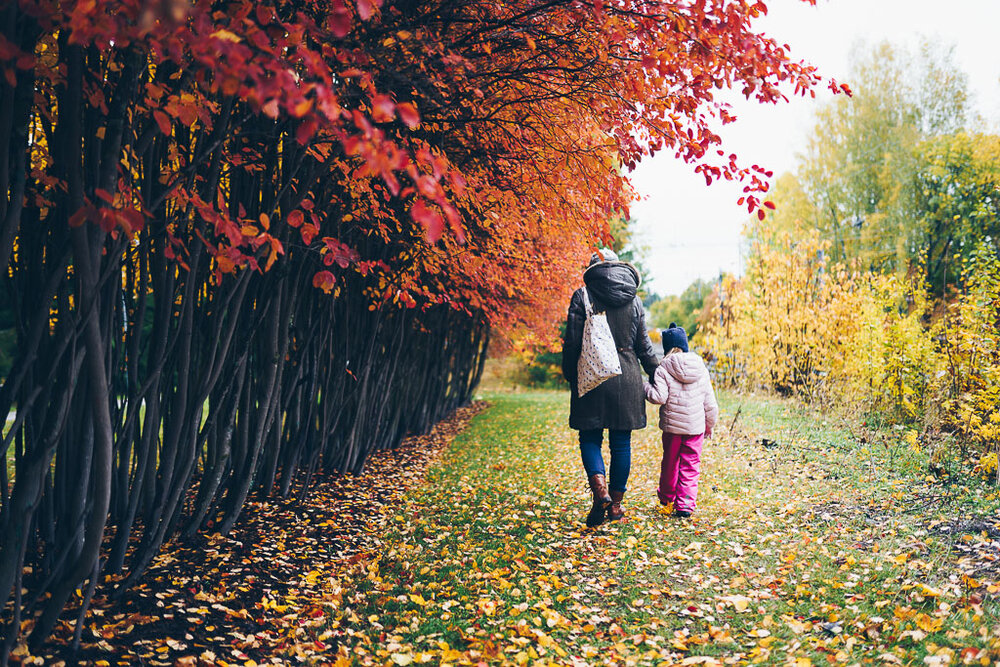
<point>673,337</point>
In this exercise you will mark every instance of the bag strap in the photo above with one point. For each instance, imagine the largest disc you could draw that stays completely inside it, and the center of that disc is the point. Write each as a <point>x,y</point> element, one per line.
<point>586,302</point>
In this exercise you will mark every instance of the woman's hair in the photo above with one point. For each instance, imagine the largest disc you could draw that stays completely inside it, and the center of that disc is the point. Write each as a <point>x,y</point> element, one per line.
<point>674,351</point>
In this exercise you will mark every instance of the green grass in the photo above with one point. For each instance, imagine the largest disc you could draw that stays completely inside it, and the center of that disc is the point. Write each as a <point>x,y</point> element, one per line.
<point>490,559</point>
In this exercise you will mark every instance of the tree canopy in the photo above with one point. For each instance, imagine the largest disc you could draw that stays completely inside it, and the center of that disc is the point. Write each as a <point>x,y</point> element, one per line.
<point>857,179</point>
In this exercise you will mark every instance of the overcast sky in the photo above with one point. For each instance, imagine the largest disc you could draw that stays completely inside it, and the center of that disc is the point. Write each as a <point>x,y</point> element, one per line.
<point>692,230</point>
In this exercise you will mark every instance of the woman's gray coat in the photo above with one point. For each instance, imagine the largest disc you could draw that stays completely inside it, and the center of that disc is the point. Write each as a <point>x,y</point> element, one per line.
<point>618,403</point>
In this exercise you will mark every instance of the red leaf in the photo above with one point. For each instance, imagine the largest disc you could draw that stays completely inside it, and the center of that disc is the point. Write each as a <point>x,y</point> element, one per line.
<point>324,280</point>
<point>107,219</point>
<point>131,220</point>
<point>309,232</point>
<point>163,121</point>
<point>365,9</point>
<point>760,214</point>
<point>429,219</point>
<point>271,108</point>
<point>276,247</point>
<point>340,19</point>
<point>769,204</point>
<point>295,218</point>
<point>408,114</point>
<point>305,131</point>
<point>338,253</point>
<point>383,109</point>
<point>78,218</point>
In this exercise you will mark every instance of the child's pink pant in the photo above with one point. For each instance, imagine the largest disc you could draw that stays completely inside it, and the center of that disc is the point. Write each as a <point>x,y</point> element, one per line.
<point>679,470</point>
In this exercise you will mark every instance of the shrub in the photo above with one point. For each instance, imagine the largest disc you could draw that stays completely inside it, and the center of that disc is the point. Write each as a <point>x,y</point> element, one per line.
<point>859,340</point>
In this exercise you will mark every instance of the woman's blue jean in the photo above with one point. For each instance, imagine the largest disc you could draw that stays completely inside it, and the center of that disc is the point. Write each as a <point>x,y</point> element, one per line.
<point>620,442</point>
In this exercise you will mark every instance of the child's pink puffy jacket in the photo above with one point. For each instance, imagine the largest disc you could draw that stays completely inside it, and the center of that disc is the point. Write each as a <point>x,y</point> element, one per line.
<point>682,387</point>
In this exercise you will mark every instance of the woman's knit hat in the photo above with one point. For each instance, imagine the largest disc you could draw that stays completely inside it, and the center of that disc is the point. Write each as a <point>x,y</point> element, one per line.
<point>603,255</point>
<point>608,257</point>
<point>674,336</point>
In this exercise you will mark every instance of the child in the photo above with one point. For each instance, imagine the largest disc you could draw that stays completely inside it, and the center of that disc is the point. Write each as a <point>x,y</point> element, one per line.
<point>682,387</point>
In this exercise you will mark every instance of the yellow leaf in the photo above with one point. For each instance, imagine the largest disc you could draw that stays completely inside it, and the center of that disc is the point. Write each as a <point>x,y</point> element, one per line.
<point>929,592</point>
<point>226,35</point>
<point>928,624</point>
<point>740,602</point>
<point>903,613</point>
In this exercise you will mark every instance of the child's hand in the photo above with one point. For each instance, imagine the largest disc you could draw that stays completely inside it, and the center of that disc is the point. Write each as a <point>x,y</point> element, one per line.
<point>708,434</point>
<point>652,395</point>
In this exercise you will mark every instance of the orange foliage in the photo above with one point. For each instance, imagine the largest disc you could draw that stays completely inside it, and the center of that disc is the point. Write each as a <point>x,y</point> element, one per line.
<point>495,131</point>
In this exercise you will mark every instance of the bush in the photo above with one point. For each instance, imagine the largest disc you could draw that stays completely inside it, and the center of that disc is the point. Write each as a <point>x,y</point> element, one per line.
<point>538,362</point>
<point>799,325</point>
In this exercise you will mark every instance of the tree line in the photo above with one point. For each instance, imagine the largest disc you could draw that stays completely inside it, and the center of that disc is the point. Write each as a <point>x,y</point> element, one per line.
<point>875,285</point>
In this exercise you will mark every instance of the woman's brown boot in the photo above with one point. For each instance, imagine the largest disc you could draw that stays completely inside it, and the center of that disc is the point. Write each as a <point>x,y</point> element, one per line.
<point>599,486</point>
<point>615,512</point>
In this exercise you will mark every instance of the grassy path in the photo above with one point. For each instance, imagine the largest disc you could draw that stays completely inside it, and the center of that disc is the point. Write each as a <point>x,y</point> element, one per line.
<point>817,550</point>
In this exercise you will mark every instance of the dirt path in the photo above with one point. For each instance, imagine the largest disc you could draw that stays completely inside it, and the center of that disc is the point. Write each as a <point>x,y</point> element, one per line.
<point>814,549</point>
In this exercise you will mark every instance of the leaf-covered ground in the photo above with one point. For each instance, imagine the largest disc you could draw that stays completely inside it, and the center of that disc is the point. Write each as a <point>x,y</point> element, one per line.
<point>261,594</point>
<point>820,547</point>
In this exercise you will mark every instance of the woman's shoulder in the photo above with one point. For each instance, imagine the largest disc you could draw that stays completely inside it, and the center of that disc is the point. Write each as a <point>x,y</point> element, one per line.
<point>635,306</point>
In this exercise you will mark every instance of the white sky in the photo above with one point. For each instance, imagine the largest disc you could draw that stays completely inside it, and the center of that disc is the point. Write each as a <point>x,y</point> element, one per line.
<point>693,231</point>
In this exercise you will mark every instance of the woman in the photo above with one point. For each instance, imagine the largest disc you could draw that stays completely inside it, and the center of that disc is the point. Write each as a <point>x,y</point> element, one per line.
<point>617,404</point>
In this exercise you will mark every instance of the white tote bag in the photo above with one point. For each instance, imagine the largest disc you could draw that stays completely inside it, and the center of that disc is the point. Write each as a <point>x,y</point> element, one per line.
<point>599,355</point>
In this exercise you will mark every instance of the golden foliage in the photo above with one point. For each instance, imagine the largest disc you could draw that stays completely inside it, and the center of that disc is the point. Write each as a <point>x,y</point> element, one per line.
<point>800,325</point>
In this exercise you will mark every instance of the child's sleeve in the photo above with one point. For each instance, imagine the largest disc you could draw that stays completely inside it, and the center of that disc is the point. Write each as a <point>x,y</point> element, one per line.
<point>711,407</point>
<point>658,391</point>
